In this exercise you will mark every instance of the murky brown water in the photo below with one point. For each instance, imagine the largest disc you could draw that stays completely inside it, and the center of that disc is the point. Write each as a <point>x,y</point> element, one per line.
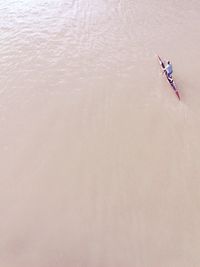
<point>99,161</point>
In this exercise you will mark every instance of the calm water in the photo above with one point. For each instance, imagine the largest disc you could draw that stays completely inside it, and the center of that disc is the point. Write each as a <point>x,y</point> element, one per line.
<point>99,161</point>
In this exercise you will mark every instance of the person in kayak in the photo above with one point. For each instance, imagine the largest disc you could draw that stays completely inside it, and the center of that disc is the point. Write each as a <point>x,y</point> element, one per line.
<point>168,69</point>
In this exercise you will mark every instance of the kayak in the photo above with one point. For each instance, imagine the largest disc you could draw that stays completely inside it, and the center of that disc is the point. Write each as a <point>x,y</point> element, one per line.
<point>171,81</point>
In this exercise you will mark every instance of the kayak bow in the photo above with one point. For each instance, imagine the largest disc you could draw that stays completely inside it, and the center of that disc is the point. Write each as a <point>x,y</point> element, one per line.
<point>171,81</point>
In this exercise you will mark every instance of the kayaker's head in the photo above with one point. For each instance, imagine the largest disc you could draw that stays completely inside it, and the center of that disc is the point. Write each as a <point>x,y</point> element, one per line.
<point>168,62</point>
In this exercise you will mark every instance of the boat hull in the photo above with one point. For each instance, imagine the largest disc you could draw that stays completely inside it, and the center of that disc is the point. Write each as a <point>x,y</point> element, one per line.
<point>170,81</point>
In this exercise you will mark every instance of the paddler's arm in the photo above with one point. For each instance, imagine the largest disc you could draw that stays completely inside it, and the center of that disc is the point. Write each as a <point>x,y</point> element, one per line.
<point>164,69</point>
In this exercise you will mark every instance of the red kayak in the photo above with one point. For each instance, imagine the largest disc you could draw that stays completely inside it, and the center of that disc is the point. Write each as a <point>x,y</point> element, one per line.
<point>171,81</point>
